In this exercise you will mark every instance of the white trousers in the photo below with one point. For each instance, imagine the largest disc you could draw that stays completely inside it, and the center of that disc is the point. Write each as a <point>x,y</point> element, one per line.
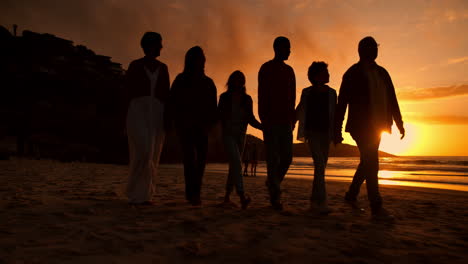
<point>145,130</point>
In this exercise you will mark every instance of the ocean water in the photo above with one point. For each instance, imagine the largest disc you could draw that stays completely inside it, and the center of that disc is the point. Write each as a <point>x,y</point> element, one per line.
<point>446,172</point>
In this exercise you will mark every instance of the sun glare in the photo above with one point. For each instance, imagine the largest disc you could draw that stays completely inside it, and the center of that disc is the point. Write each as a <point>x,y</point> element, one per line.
<point>392,143</point>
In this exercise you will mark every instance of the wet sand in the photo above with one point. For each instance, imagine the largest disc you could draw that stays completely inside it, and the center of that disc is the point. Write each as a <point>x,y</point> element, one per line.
<point>53,212</point>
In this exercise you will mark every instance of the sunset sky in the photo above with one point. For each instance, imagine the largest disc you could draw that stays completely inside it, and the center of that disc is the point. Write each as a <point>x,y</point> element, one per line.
<point>423,45</point>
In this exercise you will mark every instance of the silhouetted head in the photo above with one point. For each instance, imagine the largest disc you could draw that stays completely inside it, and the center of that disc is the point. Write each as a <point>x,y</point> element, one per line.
<point>151,43</point>
<point>236,82</point>
<point>282,48</point>
<point>318,73</point>
<point>194,61</point>
<point>368,49</point>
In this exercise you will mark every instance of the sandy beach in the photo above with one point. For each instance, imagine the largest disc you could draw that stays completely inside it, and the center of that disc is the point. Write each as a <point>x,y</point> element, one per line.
<point>54,212</point>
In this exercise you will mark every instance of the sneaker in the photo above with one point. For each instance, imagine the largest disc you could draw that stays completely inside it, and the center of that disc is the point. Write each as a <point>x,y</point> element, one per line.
<point>353,203</point>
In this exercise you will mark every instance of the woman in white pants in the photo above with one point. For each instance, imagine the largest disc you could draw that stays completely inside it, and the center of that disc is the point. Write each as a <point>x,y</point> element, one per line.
<point>147,90</point>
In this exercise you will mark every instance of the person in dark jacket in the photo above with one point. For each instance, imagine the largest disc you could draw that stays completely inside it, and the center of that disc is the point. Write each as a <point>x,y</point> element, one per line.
<point>276,109</point>
<point>316,115</point>
<point>235,110</point>
<point>367,90</point>
<point>193,108</point>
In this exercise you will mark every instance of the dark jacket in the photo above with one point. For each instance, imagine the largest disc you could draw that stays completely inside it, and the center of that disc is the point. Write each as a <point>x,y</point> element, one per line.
<point>302,113</point>
<point>276,94</point>
<point>354,91</point>
<point>193,101</point>
<point>246,113</point>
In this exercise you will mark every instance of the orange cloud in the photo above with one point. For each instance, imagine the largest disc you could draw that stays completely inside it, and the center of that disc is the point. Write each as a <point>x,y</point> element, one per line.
<point>234,34</point>
<point>458,60</point>
<point>440,119</point>
<point>433,93</point>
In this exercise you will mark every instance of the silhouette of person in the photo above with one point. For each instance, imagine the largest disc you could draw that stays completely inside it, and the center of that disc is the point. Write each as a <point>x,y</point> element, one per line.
<point>276,102</point>
<point>147,91</point>
<point>194,110</point>
<point>316,114</point>
<point>236,112</point>
<point>253,159</point>
<point>246,159</point>
<point>367,90</point>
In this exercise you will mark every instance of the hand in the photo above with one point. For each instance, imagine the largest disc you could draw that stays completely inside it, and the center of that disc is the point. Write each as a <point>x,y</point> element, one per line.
<point>402,132</point>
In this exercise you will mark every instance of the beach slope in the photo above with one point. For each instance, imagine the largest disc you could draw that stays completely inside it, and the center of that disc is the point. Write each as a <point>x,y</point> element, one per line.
<point>55,212</point>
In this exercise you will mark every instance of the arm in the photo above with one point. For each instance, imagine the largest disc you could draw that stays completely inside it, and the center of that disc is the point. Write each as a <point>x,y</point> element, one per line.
<point>343,101</point>
<point>129,80</point>
<point>221,107</point>
<point>394,107</point>
<point>298,110</point>
<point>335,138</point>
<point>300,115</point>
<point>164,83</point>
<point>263,94</point>
<point>300,107</point>
<point>172,102</point>
<point>293,99</point>
<point>252,120</point>
<point>213,103</point>
<point>334,99</point>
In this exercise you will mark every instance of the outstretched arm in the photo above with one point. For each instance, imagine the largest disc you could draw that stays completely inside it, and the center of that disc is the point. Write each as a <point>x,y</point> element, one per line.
<point>252,120</point>
<point>300,107</point>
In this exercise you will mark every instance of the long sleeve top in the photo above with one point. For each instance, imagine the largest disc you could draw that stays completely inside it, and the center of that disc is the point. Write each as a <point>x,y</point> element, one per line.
<point>235,117</point>
<point>314,115</point>
<point>356,92</point>
<point>193,101</point>
<point>276,93</point>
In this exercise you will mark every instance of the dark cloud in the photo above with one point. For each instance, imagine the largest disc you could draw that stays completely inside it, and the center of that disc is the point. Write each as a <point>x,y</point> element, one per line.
<point>235,34</point>
<point>433,93</point>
